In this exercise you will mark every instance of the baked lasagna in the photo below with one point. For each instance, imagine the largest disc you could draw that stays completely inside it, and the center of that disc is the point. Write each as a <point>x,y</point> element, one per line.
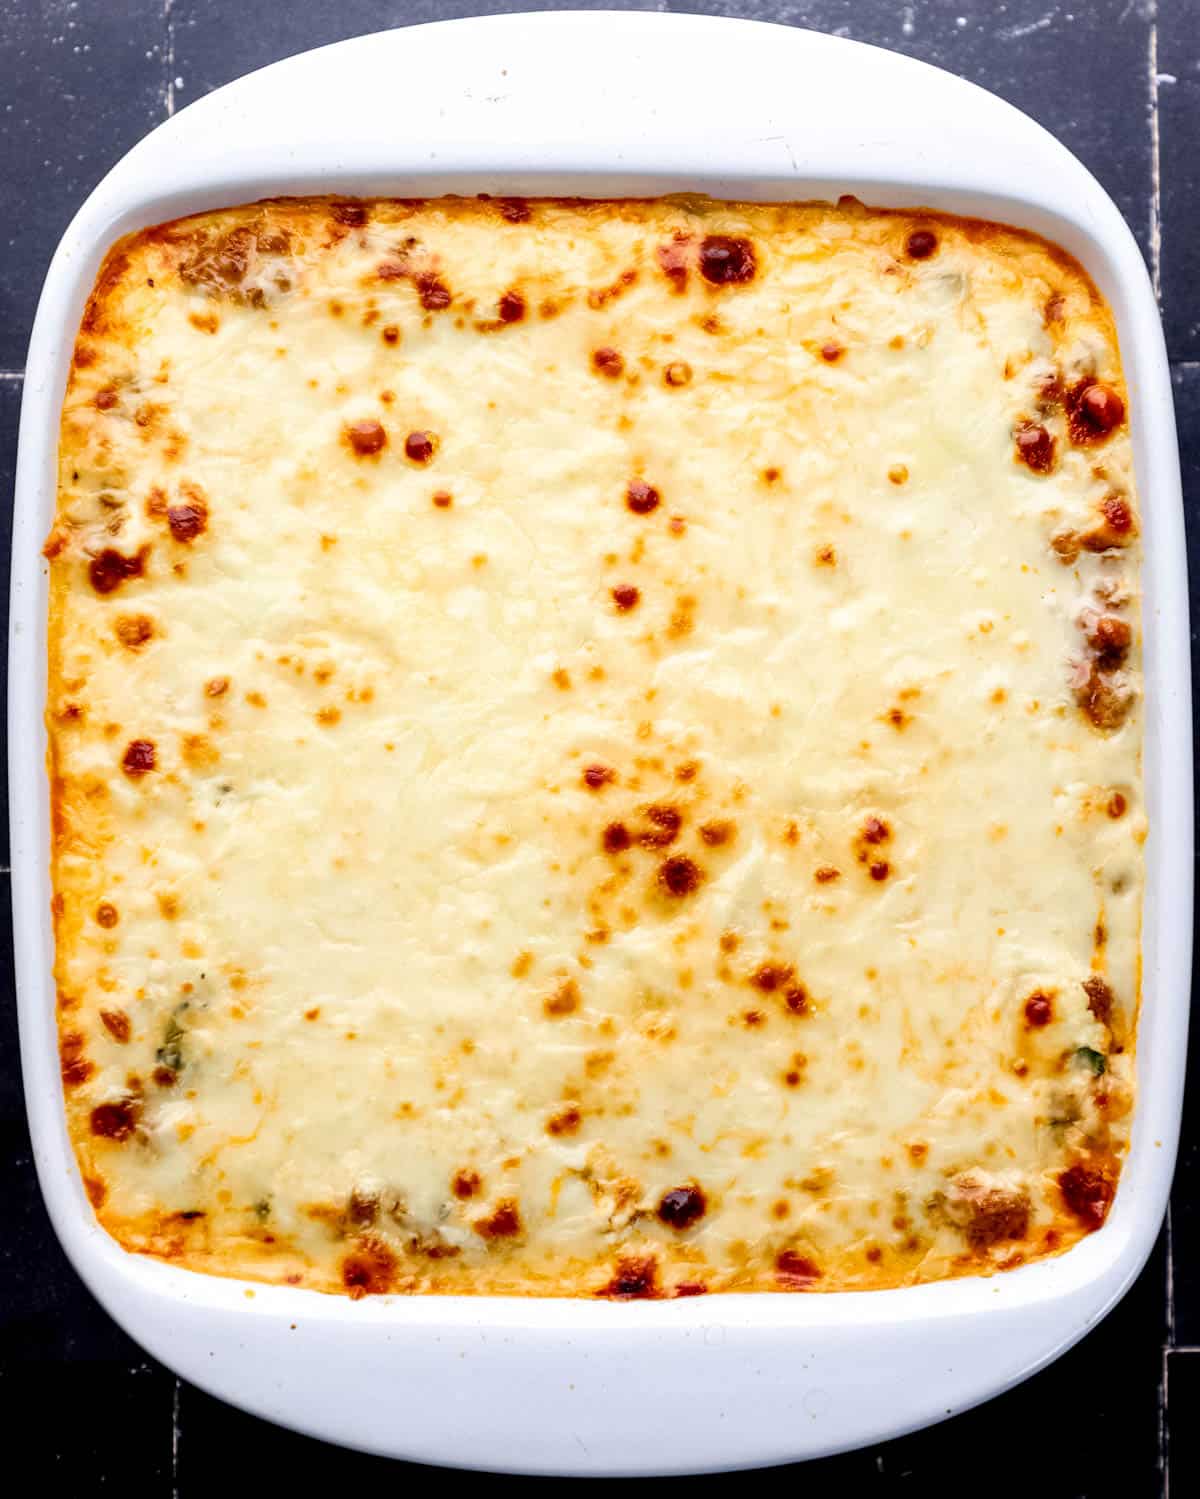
<point>595,746</point>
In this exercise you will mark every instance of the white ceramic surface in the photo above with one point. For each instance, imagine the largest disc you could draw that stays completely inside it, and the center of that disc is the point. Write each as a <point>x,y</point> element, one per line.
<point>596,104</point>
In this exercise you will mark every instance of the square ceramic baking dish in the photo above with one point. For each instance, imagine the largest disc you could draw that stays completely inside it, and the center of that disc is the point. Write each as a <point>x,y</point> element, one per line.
<point>602,104</point>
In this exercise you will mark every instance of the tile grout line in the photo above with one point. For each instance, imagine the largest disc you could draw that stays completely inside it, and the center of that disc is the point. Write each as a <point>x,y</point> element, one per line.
<point>12,374</point>
<point>1164,1423</point>
<point>169,57</point>
<point>1155,166</point>
<point>175,1442</point>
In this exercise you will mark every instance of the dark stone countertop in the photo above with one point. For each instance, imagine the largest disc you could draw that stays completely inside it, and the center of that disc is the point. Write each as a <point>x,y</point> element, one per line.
<point>1119,82</point>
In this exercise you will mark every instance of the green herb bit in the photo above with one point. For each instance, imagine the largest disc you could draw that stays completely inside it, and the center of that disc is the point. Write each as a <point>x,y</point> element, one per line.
<point>1095,1061</point>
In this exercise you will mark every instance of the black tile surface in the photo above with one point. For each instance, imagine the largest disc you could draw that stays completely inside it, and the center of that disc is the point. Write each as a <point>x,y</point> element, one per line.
<point>1178,87</point>
<point>93,1428</point>
<point>216,40</point>
<point>10,409</point>
<point>83,80</point>
<point>1185,1199</point>
<point>1183,1428</point>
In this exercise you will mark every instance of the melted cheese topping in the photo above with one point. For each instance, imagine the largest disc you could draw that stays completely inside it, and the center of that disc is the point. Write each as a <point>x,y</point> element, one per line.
<point>595,747</point>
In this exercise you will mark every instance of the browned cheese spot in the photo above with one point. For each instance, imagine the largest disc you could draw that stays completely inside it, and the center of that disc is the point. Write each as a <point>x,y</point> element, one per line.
<point>771,976</point>
<point>1110,638</point>
<point>665,823</point>
<point>367,438</point>
<point>511,307</point>
<point>564,1000</point>
<point>921,244</point>
<point>641,497</point>
<point>115,1121</point>
<point>617,838</point>
<point>1105,703</point>
<point>635,1279</point>
<point>566,1122</point>
<point>1100,998</point>
<point>989,1215</point>
<point>1088,1192</point>
<point>1039,1010</point>
<point>608,362</point>
<point>188,519</point>
<point>673,257</point>
<point>1116,526</point>
<point>794,1271</point>
<point>1094,411</point>
<point>110,569</point>
<point>466,1183</point>
<point>73,1063</point>
<point>117,1024</point>
<point>134,630</point>
<point>601,296</point>
<point>419,446</point>
<point>362,1207</point>
<point>1035,447</point>
<point>432,290</point>
<point>369,1269</point>
<point>727,260</point>
<point>350,215</point>
<point>139,757</point>
<point>680,876</point>
<point>504,1222</point>
<point>682,1207</point>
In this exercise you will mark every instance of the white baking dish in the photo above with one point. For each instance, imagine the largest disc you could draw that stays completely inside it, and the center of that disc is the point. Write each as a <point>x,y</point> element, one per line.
<point>599,104</point>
